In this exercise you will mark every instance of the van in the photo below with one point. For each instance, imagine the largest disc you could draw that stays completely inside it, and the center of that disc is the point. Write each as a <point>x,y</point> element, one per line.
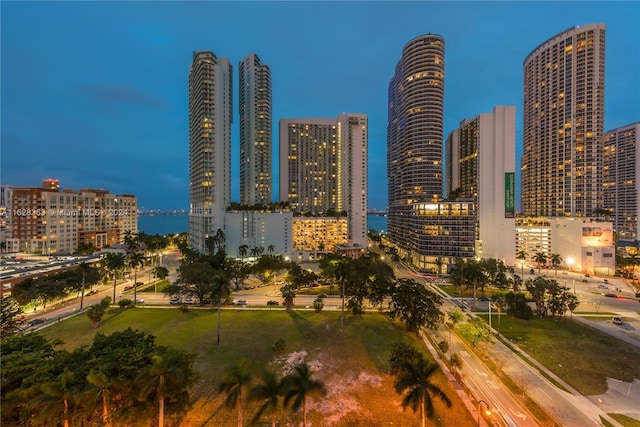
<point>617,320</point>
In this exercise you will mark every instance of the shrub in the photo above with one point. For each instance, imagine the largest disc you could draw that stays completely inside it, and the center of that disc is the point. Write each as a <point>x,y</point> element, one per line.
<point>125,303</point>
<point>279,346</point>
<point>443,346</point>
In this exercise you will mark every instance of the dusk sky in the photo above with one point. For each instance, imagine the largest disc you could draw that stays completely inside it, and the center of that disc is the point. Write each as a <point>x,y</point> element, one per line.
<point>96,94</point>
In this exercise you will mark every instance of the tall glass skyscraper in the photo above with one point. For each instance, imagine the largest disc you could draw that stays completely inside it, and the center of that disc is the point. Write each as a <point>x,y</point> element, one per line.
<point>415,135</point>
<point>210,117</point>
<point>255,131</point>
<point>563,124</point>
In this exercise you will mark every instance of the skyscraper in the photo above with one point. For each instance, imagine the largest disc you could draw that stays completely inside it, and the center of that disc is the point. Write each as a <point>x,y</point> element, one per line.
<point>415,135</point>
<point>621,165</point>
<point>210,117</point>
<point>323,168</point>
<point>255,131</point>
<point>481,163</point>
<point>563,124</point>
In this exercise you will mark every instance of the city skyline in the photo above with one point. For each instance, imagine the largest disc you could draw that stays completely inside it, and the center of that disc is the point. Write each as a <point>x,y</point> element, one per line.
<point>98,90</point>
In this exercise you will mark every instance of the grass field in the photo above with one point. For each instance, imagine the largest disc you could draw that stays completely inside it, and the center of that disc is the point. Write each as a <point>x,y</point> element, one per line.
<point>352,363</point>
<point>581,356</point>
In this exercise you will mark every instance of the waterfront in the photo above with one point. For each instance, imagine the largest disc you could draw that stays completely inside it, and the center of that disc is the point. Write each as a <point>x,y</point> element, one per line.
<point>174,224</point>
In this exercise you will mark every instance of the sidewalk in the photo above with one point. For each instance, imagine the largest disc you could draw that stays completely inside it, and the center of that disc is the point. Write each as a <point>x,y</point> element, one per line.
<point>528,373</point>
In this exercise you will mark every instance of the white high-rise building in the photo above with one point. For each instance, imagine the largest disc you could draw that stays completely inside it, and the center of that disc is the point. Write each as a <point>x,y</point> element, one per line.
<point>323,169</point>
<point>481,161</point>
<point>255,131</point>
<point>210,118</point>
<point>563,124</point>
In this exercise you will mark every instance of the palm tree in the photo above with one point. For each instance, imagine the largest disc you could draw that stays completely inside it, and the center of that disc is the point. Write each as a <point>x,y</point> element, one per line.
<point>439,264</point>
<point>522,255</point>
<point>342,274</point>
<point>56,393</point>
<point>270,249</point>
<point>135,260</point>
<point>288,295</point>
<point>540,258</point>
<point>556,260</point>
<point>414,377</point>
<point>298,386</point>
<point>221,290</point>
<point>500,302</point>
<point>84,268</point>
<point>131,239</point>
<point>268,392</point>
<point>220,238</point>
<point>101,389</point>
<point>210,243</point>
<point>255,251</point>
<point>242,250</point>
<point>167,372</point>
<point>235,379</point>
<point>114,262</point>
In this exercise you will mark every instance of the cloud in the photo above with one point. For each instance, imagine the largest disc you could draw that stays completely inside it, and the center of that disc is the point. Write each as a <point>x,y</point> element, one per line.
<point>121,95</point>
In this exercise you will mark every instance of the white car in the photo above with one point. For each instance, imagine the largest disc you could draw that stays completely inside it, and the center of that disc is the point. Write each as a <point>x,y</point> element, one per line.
<point>138,301</point>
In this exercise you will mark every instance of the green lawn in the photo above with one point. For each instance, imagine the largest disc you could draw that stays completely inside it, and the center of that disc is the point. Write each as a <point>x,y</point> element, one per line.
<point>581,356</point>
<point>353,363</point>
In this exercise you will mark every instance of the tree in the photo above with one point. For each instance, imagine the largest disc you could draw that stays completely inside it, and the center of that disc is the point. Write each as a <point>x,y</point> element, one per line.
<point>160,272</point>
<point>221,290</point>
<point>114,262</point>
<point>132,240</point>
<point>220,239</point>
<point>415,380</point>
<point>572,304</point>
<point>235,379</point>
<point>522,255</point>
<point>238,271</point>
<point>499,302</point>
<point>271,249</point>
<point>83,268</point>
<point>56,397</point>
<point>475,331</point>
<point>268,392</point>
<point>96,311</point>
<point>210,243</point>
<point>540,258</point>
<point>318,304</point>
<point>12,318</point>
<point>195,280</point>
<point>101,388</point>
<point>298,386</point>
<point>169,375</point>
<point>135,260</point>
<point>415,305</point>
<point>288,295</point>
<point>556,260</point>
<point>242,251</point>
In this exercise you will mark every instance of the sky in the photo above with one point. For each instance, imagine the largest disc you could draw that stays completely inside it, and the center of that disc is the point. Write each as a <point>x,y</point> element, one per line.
<point>96,93</point>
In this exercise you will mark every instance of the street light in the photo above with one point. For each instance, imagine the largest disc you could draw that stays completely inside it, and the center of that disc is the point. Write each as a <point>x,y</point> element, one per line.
<point>570,262</point>
<point>487,411</point>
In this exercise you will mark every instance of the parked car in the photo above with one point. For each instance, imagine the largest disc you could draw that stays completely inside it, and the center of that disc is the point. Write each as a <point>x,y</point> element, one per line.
<point>175,300</point>
<point>617,320</point>
<point>610,295</point>
<point>272,302</point>
<point>322,296</point>
<point>138,301</point>
<point>242,302</point>
<point>139,283</point>
<point>128,287</point>
<point>605,281</point>
<point>35,322</point>
<point>483,299</point>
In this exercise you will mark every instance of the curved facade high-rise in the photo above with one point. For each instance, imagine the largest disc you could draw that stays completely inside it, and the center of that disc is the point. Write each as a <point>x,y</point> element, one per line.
<point>255,131</point>
<point>415,134</point>
<point>563,124</point>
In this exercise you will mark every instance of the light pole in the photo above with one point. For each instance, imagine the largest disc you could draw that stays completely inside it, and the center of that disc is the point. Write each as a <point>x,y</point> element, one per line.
<point>487,411</point>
